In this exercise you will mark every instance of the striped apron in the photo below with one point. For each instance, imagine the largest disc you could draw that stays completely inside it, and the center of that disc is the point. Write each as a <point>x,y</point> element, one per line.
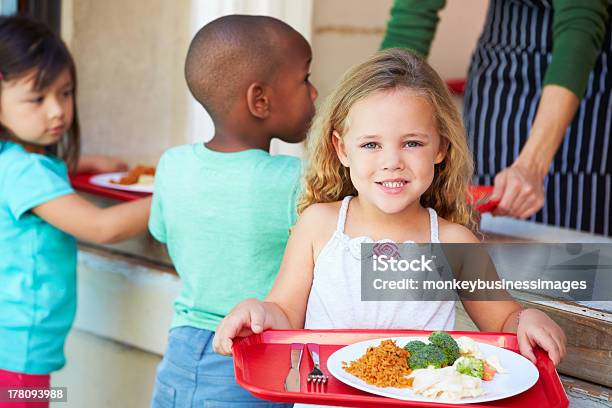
<point>504,86</point>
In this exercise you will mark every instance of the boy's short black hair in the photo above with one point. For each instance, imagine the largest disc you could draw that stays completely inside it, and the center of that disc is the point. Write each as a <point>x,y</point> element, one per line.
<point>228,54</point>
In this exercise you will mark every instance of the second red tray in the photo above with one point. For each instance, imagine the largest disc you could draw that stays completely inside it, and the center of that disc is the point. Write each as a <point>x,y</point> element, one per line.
<point>261,363</point>
<point>81,182</point>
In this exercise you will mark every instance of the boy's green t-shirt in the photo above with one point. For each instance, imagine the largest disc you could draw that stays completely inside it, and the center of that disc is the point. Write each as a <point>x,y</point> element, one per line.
<point>225,218</point>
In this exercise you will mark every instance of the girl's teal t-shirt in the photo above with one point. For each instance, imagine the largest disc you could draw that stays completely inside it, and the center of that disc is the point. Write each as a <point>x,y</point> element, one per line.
<point>37,264</point>
<point>225,218</point>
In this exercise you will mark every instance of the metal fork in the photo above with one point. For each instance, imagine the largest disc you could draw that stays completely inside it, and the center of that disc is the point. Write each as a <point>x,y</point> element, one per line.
<point>316,375</point>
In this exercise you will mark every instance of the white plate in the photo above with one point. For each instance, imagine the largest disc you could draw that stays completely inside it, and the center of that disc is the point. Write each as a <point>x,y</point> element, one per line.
<point>521,375</point>
<point>104,180</point>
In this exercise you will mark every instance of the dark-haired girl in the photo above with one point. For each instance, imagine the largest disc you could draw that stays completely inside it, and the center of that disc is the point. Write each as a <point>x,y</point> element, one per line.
<point>40,214</point>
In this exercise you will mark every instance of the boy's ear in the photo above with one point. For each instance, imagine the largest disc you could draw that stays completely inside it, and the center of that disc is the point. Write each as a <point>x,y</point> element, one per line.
<point>442,152</point>
<point>258,101</point>
<point>340,148</point>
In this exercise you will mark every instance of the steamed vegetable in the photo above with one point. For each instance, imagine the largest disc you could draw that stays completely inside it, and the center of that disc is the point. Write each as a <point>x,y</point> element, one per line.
<point>470,366</point>
<point>447,344</point>
<point>427,356</point>
<point>414,345</point>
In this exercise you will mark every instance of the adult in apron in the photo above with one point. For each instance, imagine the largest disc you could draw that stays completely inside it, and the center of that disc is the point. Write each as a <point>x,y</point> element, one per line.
<point>519,88</point>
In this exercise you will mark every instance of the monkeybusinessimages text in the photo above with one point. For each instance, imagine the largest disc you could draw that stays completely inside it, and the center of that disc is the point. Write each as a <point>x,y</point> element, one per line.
<point>423,264</point>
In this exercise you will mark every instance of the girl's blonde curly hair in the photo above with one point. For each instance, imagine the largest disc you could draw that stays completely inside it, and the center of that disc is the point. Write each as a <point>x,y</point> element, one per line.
<point>327,180</point>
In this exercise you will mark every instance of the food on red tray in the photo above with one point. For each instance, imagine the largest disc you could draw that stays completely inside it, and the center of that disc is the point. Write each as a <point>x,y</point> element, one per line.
<point>385,365</point>
<point>489,372</point>
<point>441,351</point>
<point>445,383</point>
<point>442,367</point>
<point>140,174</point>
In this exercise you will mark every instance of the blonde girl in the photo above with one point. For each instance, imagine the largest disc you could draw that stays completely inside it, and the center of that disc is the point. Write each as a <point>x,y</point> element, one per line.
<point>387,161</point>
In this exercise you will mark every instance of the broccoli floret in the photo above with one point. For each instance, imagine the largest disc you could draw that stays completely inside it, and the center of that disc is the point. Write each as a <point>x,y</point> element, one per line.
<point>413,346</point>
<point>426,356</point>
<point>447,344</point>
<point>470,365</point>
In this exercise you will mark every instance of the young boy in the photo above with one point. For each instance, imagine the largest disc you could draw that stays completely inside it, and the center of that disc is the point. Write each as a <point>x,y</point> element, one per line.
<point>224,208</point>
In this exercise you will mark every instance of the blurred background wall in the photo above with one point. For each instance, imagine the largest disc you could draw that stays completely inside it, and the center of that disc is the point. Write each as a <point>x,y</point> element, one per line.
<point>133,101</point>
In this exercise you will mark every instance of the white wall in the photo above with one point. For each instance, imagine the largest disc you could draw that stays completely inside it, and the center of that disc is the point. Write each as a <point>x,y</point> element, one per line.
<point>133,100</point>
<point>346,32</point>
<point>132,97</point>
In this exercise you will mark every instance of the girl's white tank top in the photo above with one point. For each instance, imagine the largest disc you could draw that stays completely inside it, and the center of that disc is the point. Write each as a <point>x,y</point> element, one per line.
<point>335,297</point>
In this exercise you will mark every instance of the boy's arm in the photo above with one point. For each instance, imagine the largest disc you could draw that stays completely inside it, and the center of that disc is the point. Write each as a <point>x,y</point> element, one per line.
<point>82,219</point>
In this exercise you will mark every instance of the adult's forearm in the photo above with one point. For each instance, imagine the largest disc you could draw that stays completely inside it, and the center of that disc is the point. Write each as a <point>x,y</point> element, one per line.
<point>556,110</point>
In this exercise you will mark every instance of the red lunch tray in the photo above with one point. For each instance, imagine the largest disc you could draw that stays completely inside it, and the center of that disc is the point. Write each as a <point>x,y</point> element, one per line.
<point>81,182</point>
<point>456,85</point>
<point>261,363</point>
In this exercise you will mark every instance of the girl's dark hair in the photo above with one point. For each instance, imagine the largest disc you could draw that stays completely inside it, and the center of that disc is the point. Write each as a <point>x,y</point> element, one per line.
<point>28,46</point>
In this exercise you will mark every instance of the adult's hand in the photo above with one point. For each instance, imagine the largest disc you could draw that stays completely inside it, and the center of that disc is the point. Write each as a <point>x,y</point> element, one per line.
<point>520,187</point>
<point>519,190</point>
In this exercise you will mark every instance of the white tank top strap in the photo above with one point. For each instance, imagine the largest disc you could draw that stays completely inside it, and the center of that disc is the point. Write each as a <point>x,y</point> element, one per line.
<point>342,213</point>
<point>433,223</point>
<point>335,302</point>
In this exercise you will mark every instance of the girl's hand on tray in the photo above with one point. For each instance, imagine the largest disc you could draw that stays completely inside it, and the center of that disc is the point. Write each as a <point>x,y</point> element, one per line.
<point>535,328</point>
<point>248,317</point>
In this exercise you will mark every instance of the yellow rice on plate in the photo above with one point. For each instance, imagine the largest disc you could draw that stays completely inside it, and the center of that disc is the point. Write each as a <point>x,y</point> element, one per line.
<point>385,365</point>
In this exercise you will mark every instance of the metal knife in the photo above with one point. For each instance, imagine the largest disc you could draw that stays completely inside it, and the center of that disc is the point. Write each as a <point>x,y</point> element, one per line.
<point>292,382</point>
